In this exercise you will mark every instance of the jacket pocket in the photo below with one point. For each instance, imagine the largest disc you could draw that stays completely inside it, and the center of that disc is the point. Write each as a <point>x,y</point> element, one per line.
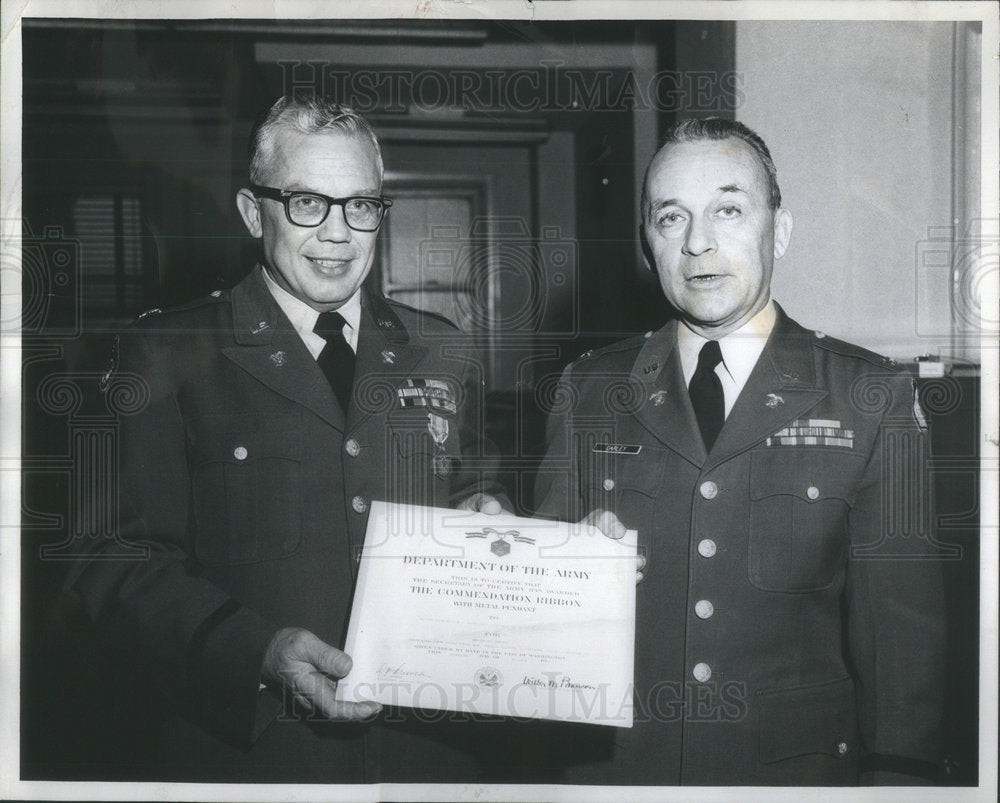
<point>799,501</point>
<point>247,495</point>
<point>805,720</point>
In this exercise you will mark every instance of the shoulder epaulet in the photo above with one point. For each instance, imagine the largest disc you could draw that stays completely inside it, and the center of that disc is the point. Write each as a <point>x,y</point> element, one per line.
<point>845,349</point>
<point>613,348</point>
<point>214,297</point>
<point>105,380</point>
<point>594,356</point>
<point>422,312</point>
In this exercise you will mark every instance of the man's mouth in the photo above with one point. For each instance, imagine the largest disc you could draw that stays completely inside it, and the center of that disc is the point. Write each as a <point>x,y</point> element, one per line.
<point>704,278</point>
<point>328,264</point>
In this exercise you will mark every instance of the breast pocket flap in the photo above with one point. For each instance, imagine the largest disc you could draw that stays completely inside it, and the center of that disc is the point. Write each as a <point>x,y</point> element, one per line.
<point>639,471</point>
<point>810,475</point>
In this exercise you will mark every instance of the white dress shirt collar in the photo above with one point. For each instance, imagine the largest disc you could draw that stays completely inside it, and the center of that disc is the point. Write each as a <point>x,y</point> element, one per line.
<point>303,317</point>
<point>740,351</point>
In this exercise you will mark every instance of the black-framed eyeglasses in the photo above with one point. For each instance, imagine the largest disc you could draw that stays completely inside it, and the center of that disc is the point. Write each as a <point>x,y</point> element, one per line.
<point>309,209</point>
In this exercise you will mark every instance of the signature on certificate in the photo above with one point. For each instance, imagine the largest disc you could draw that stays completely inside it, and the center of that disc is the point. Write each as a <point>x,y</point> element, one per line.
<point>399,672</point>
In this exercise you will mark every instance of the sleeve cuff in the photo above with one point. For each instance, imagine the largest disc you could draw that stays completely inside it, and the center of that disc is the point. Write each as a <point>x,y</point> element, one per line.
<point>225,665</point>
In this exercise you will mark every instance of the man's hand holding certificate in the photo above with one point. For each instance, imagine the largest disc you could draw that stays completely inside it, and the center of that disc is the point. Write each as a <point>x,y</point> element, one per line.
<point>493,614</point>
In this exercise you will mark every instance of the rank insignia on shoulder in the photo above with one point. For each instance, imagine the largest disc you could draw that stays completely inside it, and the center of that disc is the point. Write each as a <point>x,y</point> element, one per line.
<point>112,366</point>
<point>434,393</point>
<point>147,313</point>
<point>813,432</point>
<point>918,411</point>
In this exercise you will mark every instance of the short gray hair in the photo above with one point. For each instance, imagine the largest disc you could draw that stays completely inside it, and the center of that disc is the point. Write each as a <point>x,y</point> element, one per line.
<point>719,128</point>
<point>309,114</point>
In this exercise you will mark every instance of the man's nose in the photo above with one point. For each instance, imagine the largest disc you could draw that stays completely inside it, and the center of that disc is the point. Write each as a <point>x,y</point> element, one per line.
<point>700,237</point>
<point>335,226</point>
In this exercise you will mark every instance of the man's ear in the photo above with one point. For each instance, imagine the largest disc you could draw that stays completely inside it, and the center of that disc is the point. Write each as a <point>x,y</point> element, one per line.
<point>782,232</point>
<point>647,252</point>
<point>249,208</point>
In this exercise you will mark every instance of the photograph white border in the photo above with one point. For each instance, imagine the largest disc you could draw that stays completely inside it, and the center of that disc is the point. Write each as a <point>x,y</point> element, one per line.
<point>10,376</point>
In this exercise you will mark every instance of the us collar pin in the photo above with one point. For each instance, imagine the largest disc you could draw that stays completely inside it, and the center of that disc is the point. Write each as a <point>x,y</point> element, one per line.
<point>259,327</point>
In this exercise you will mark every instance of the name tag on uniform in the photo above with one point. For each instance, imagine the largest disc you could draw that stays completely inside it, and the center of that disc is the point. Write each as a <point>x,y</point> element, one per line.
<point>617,448</point>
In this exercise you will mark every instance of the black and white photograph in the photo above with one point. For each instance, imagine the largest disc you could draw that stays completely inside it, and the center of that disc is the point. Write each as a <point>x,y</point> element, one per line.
<point>487,400</point>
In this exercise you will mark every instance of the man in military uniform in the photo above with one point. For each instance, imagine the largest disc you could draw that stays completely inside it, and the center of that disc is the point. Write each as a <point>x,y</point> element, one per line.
<point>790,623</point>
<point>273,415</point>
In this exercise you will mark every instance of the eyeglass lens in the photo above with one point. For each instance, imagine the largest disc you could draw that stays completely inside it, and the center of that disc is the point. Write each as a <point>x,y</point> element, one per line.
<point>310,210</point>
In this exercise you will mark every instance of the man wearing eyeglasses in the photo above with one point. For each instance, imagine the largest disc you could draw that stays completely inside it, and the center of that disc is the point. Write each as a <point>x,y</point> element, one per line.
<point>277,412</point>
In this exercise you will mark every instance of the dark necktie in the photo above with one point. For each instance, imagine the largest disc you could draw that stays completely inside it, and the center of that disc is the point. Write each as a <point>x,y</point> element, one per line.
<point>337,358</point>
<point>706,394</point>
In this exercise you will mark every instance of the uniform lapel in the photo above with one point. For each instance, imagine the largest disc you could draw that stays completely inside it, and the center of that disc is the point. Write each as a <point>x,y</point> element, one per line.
<point>780,389</point>
<point>385,359</point>
<point>269,349</point>
<point>665,408</point>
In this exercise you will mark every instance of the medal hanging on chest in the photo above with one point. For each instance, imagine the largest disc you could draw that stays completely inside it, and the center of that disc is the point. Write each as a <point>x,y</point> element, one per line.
<point>438,427</point>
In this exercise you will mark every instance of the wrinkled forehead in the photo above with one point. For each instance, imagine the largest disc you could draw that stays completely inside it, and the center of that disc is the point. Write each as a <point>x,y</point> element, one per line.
<point>331,152</point>
<point>703,167</point>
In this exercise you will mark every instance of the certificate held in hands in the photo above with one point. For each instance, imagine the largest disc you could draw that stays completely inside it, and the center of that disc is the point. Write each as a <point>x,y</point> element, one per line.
<point>481,614</point>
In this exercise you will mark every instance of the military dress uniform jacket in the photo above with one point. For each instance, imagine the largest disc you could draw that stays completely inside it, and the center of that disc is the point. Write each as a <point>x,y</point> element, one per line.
<point>244,492</point>
<point>790,626</point>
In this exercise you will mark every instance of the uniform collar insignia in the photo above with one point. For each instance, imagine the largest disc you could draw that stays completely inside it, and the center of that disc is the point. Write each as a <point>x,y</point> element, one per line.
<point>385,316</point>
